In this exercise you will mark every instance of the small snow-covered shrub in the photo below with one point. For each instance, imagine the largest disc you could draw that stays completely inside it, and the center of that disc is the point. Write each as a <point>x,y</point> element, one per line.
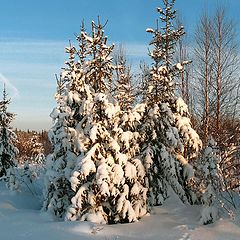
<point>218,201</point>
<point>209,215</point>
<point>27,178</point>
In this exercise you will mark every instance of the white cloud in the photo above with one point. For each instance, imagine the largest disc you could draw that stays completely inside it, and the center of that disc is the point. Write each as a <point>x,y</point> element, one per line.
<point>12,88</point>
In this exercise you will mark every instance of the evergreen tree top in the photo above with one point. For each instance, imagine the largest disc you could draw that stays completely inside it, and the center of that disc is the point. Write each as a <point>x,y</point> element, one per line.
<point>5,116</point>
<point>165,38</point>
<point>161,85</point>
<point>90,62</point>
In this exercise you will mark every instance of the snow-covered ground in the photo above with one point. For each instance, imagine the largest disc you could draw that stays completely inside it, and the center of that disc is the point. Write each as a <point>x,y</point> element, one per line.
<point>22,219</point>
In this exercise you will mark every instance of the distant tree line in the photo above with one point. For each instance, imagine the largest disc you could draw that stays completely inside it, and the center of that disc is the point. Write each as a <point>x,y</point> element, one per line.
<point>31,143</point>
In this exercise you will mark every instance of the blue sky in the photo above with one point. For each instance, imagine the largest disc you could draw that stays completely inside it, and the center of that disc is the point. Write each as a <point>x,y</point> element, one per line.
<point>33,35</point>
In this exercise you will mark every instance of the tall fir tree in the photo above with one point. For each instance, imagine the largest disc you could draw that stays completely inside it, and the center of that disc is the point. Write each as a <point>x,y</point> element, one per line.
<point>166,126</point>
<point>108,183</point>
<point>8,151</point>
<point>103,184</point>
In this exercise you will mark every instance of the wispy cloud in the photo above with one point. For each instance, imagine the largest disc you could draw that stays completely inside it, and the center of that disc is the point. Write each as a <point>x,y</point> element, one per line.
<point>13,89</point>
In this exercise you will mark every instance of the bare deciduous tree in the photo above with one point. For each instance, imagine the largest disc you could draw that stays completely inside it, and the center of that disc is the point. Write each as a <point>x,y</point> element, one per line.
<point>216,68</point>
<point>225,70</point>
<point>203,66</point>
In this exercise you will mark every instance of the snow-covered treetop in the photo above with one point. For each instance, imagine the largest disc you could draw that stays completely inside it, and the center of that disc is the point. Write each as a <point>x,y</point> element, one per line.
<point>5,116</point>
<point>164,39</point>
<point>99,60</point>
<point>163,43</point>
<point>89,63</point>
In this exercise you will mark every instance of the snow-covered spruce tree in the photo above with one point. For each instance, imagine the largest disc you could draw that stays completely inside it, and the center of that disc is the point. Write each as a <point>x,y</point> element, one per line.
<point>166,126</point>
<point>57,193</point>
<point>211,183</point>
<point>88,176</point>
<point>60,163</point>
<point>108,183</point>
<point>8,151</point>
<point>74,98</point>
